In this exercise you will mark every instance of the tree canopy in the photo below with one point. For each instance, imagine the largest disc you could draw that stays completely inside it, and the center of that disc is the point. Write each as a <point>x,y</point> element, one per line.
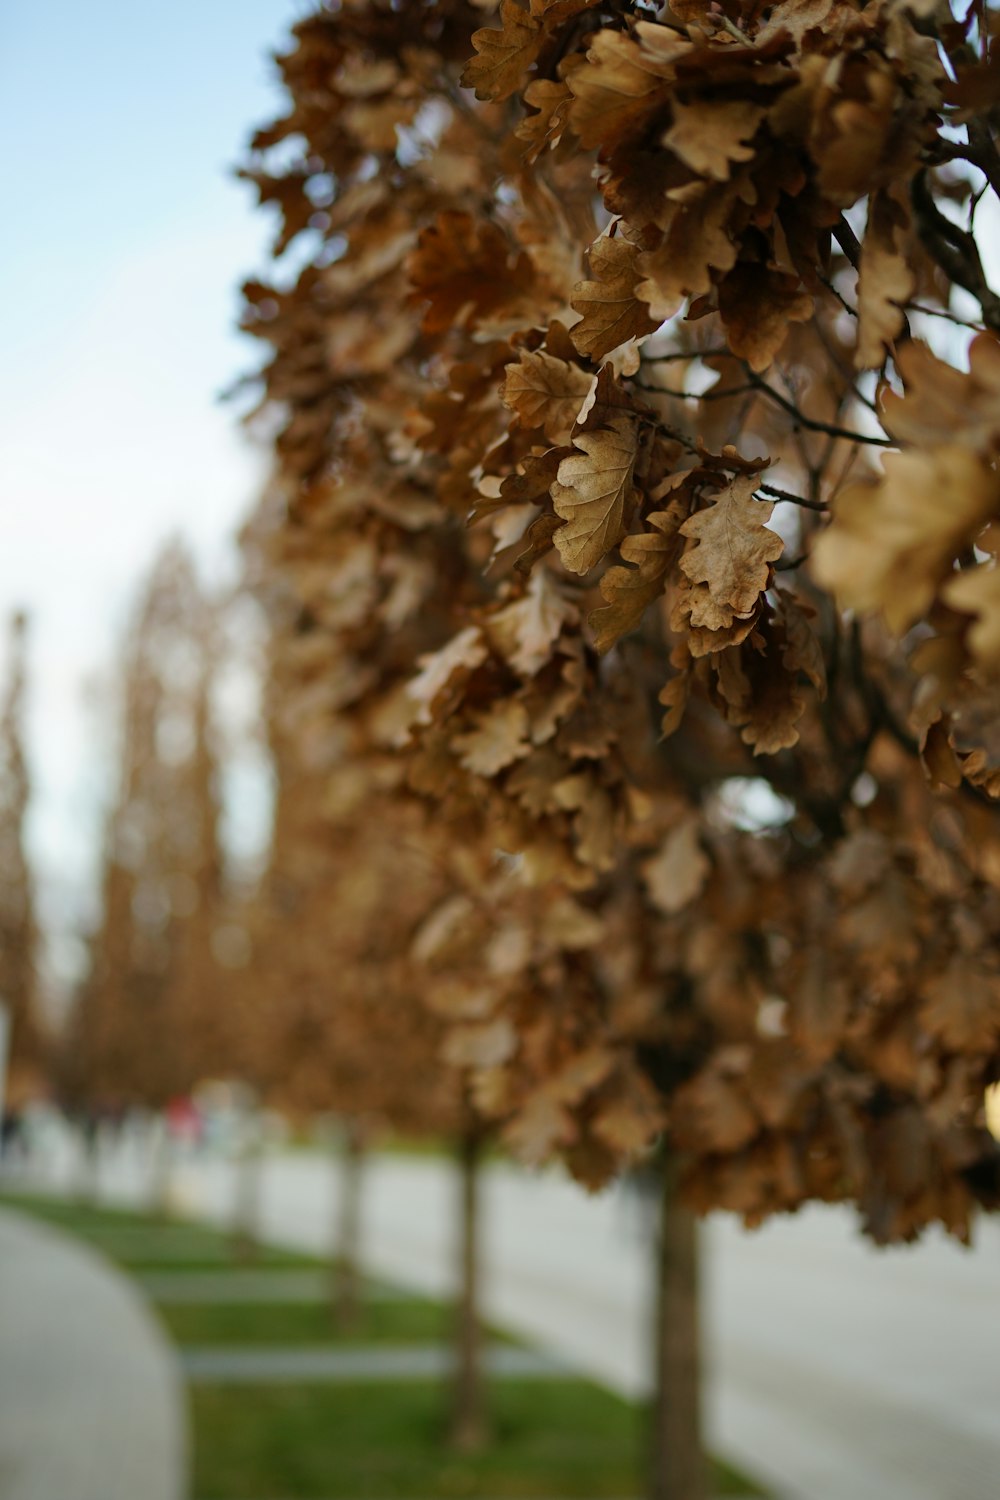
<point>634,383</point>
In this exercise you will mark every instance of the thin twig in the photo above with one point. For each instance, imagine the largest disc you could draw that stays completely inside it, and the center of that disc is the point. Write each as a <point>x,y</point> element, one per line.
<point>812,423</point>
<point>779,494</point>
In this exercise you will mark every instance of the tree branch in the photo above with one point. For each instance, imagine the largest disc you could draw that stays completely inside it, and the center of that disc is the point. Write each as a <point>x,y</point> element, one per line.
<point>812,423</point>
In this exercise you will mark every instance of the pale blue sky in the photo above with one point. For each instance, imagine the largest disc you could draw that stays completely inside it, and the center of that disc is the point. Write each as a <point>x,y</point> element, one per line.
<point>125,240</point>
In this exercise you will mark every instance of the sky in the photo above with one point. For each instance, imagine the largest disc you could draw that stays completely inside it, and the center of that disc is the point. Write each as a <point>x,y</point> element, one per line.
<point>126,237</point>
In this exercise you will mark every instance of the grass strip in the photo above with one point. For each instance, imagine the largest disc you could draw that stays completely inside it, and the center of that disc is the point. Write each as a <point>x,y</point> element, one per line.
<point>146,1241</point>
<point>397,1321</point>
<point>564,1438</point>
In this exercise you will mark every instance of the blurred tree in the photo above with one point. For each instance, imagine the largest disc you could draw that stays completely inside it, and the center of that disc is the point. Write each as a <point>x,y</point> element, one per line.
<point>26,1065</point>
<point>332,1022</point>
<point>147,1023</point>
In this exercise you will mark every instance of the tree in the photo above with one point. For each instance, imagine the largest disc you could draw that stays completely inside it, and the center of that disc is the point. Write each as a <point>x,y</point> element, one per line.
<point>18,930</point>
<point>146,1026</point>
<point>620,402</point>
<point>333,1022</point>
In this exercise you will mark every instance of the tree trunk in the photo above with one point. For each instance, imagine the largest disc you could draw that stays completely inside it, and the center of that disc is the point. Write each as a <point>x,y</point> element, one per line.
<point>346,1281</point>
<point>88,1182</point>
<point>677,1463</point>
<point>246,1205</point>
<point>162,1161</point>
<point>469,1428</point>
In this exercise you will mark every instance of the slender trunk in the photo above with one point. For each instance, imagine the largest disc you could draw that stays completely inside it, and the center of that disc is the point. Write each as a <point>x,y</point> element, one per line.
<point>346,1281</point>
<point>469,1427</point>
<point>677,1463</point>
<point>88,1183</point>
<point>246,1205</point>
<point>162,1152</point>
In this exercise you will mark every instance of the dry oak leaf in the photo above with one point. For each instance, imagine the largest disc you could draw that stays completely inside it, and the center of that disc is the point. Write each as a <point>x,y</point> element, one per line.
<point>709,135</point>
<point>499,738</point>
<point>504,56</point>
<point>710,1113</point>
<point>539,1126</point>
<point>622,85</point>
<point>526,631</point>
<point>551,100</point>
<point>756,304</point>
<point>802,651</point>
<point>677,874</point>
<point>732,556</point>
<point>885,282</point>
<point>631,1119</point>
<point>463,271</point>
<point>593,491</point>
<point>937,754</point>
<point>699,640</point>
<point>630,590</point>
<point>698,239</point>
<point>594,821</point>
<point>893,541</point>
<point>610,310</point>
<point>546,392</point>
<point>945,405</point>
<point>759,694</point>
<point>962,1007</point>
<point>976,591</point>
<point>484,1046</point>
<point>674,698</point>
<point>463,654</point>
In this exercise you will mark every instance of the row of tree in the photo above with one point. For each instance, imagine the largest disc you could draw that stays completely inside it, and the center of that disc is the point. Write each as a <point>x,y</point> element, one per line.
<point>629,566</point>
<point>634,524</point>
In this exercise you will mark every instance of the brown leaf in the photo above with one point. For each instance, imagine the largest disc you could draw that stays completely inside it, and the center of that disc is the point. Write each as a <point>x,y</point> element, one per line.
<point>611,311</point>
<point>629,591</point>
<point>677,874</point>
<point>943,405</point>
<point>697,241</point>
<point>976,592</point>
<point>710,1113</point>
<point>621,85</point>
<point>593,492</point>
<point>545,392</point>
<point>485,1046</point>
<point>962,1006</point>
<point>674,698</point>
<point>464,271</point>
<point>732,555</point>
<point>893,541</point>
<point>527,630</point>
<point>937,754</point>
<point>710,134</point>
<point>498,739</point>
<point>505,55</point>
<point>885,282</point>
<point>550,99</point>
<point>538,539</point>
<point>463,653</point>
<point>756,304</point>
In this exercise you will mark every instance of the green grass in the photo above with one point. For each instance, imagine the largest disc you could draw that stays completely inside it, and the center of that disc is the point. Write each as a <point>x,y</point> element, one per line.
<point>150,1242</point>
<point>562,1438</point>
<point>392,1320</point>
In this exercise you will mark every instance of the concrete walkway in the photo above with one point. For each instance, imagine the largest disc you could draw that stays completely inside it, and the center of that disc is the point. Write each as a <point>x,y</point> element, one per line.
<point>91,1404</point>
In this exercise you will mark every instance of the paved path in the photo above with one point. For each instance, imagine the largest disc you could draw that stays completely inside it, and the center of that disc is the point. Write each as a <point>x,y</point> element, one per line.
<point>235,1365</point>
<point>835,1371</point>
<point>91,1406</point>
